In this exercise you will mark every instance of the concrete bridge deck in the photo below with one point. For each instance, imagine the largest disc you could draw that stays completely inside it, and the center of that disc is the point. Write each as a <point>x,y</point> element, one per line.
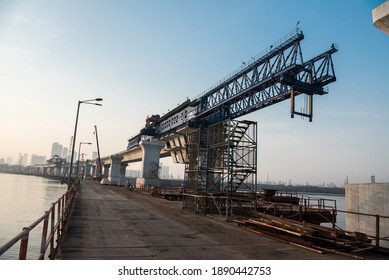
<point>110,222</point>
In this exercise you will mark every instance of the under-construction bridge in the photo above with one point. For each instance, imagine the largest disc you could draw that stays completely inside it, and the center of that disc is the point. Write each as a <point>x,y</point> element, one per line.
<point>219,151</point>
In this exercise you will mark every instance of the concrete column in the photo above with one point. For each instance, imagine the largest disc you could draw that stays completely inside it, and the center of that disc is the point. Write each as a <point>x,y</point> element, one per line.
<point>65,170</point>
<point>123,167</point>
<point>98,164</point>
<point>93,171</point>
<point>58,169</point>
<point>150,162</point>
<point>88,167</point>
<point>106,170</point>
<point>114,171</point>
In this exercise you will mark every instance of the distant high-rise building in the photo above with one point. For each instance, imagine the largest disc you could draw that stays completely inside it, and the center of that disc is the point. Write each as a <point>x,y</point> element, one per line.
<point>35,159</point>
<point>22,160</point>
<point>56,149</point>
<point>8,161</point>
<point>94,155</point>
<point>25,158</point>
<point>65,153</point>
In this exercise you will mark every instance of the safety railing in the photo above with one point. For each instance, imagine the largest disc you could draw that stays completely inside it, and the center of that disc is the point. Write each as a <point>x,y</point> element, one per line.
<point>54,222</point>
<point>319,203</point>
<point>373,228</point>
<point>376,224</point>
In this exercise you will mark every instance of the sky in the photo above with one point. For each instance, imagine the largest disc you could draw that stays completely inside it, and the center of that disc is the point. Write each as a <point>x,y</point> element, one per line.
<point>145,57</point>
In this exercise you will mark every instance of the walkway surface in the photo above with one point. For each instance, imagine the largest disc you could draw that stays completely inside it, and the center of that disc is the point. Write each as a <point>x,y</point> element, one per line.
<point>110,222</point>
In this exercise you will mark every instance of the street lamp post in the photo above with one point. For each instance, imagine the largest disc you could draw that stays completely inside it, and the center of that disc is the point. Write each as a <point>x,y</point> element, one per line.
<point>78,161</point>
<point>90,101</point>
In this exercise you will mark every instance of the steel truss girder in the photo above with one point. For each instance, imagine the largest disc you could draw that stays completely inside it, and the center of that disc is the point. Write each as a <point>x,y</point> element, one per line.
<point>268,80</point>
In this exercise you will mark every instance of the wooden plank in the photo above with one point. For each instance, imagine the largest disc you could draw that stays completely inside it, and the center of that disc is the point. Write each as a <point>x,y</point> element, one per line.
<point>275,227</point>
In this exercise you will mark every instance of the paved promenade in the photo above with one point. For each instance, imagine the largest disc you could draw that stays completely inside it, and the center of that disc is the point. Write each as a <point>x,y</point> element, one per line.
<point>110,222</point>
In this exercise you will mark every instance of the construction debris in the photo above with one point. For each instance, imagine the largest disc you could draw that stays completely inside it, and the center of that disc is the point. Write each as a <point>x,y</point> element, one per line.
<point>319,238</point>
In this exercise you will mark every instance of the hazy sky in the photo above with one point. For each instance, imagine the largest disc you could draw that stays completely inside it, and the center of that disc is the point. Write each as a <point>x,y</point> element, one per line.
<point>145,57</point>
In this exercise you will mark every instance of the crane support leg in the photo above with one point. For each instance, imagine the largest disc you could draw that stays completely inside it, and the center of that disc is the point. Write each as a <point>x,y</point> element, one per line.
<point>310,107</point>
<point>293,112</point>
<point>292,103</point>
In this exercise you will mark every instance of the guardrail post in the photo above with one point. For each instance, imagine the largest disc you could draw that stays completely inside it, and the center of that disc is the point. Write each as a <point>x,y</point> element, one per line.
<point>300,213</point>
<point>377,230</point>
<point>24,244</point>
<point>275,209</point>
<point>58,219</point>
<point>333,218</point>
<point>52,230</point>
<point>63,212</point>
<point>44,236</point>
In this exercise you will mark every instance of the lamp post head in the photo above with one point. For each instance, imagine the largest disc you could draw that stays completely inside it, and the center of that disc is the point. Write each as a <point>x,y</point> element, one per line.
<point>89,101</point>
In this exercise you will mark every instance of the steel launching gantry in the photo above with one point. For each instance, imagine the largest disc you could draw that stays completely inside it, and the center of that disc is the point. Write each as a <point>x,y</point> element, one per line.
<point>275,75</point>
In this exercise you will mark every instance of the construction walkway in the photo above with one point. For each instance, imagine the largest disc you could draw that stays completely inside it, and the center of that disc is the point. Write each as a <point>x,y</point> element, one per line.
<point>110,222</point>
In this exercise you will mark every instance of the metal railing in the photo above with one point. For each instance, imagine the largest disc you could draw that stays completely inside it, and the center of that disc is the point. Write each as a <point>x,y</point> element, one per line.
<point>319,203</point>
<point>375,231</point>
<point>54,222</point>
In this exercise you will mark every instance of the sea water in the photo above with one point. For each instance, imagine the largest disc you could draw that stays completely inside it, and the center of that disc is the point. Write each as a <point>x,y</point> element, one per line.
<point>23,200</point>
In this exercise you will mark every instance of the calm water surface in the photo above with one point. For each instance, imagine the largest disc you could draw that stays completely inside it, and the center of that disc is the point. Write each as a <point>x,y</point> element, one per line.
<point>23,200</point>
<point>340,205</point>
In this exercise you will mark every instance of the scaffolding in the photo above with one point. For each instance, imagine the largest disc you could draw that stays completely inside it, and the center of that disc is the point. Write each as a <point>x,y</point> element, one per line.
<point>221,168</point>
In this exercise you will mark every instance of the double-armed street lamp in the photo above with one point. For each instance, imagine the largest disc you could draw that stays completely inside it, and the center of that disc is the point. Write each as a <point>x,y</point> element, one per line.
<point>91,102</point>
<point>78,161</point>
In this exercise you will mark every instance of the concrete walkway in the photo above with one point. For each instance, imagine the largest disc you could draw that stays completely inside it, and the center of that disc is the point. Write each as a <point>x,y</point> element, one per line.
<point>113,223</point>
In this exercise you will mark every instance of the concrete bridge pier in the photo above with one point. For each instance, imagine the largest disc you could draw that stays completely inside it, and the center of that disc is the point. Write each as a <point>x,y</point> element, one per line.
<point>123,167</point>
<point>150,163</point>
<point>88,167</point>
<point>93,171</point>
<point>106,170</point>
<point>65,170</point>
<point>115,171</point>
<point>58,170</point>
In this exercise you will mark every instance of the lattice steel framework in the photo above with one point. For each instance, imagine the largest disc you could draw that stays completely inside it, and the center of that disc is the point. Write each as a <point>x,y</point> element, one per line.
<point>276,75</point>
<point>221,167</point>
<point>196,163</point>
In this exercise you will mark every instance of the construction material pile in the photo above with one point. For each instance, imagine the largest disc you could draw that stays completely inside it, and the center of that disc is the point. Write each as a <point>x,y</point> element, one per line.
<point>315,237</point>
